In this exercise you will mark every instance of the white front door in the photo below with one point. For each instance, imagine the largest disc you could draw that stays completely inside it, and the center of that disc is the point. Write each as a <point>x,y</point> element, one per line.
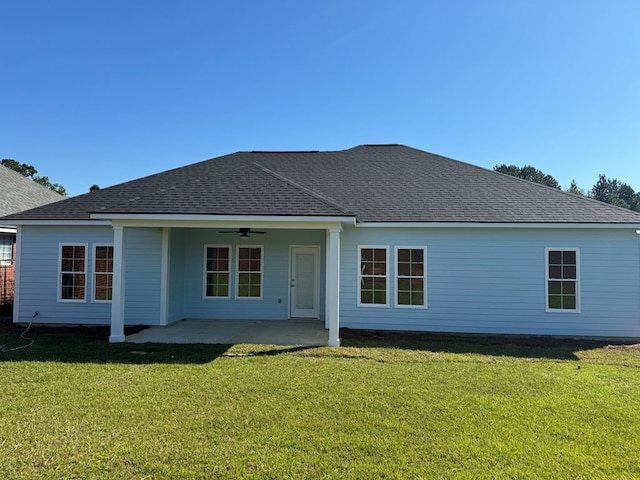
<point>305,282</point>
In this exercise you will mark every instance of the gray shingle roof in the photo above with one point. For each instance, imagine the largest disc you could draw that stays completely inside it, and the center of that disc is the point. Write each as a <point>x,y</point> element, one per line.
<point>18,193</point>
<point>377,183</point>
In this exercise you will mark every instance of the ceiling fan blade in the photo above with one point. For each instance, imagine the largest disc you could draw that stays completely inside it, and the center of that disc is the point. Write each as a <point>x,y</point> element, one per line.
<point>244,232</point>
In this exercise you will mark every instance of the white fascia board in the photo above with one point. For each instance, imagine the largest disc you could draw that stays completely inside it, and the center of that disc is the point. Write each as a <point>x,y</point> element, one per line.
<point>496,225</point>
<point>62,222</point>
<point>8,229</point>
<point>226,221</point>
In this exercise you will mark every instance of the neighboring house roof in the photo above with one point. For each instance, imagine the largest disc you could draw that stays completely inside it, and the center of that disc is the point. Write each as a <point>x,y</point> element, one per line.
<point>374,183</point>
<point>18,193</point>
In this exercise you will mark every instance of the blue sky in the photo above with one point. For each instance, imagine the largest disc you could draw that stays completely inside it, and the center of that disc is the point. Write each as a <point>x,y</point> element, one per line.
<point>108,91</point>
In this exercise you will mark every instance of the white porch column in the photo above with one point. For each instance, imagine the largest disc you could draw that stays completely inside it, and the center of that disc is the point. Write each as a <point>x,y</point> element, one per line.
<point>164,278</point>
<point>117,302</point>
<point>332,293</point>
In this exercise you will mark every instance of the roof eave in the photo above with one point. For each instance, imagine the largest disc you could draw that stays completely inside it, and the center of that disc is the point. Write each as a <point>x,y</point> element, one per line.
<point>551,225</point>
<point>225,221</point>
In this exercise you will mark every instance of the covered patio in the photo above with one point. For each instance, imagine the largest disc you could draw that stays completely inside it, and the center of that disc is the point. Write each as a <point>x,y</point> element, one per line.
<point>229,332</point>
<point>296,276</point>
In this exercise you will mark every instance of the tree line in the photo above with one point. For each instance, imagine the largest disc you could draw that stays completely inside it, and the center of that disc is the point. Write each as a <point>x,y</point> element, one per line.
<point>607,190</point>
<point>29,171</point>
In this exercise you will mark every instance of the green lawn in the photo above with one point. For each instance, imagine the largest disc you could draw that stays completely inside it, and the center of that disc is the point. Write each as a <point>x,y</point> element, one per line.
<point>382,406</point>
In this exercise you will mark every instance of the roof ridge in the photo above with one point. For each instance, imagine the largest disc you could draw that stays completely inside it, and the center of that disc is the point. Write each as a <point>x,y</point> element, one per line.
<point>304,189</point>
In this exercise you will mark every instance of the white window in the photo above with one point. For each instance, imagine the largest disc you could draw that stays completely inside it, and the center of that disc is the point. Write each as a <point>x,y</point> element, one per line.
<point>6,249</point>
<point>217,259</point>
<point>73,273</point>
<point>563,280</point>
<point>103,273</point>
<point>373,279</point>
<point>249,272</point>
<point>410,277</point>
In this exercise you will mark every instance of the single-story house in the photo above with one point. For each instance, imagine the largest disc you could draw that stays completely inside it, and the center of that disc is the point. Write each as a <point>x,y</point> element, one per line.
<point>373,237</point>
<point>17,193</point>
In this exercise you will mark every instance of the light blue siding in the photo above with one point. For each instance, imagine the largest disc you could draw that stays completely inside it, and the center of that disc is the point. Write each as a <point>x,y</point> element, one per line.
<point>39,263</point>
<point>143,276</point>
<point>493,281</point>
<point>187,274</point>
<point>479,280</point>
<point>39,271</point>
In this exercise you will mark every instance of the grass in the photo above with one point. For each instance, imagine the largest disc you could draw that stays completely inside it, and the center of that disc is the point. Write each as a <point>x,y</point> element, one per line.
<point>382,406</point>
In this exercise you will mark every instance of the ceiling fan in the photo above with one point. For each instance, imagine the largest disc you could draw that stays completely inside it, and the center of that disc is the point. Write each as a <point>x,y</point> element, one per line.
<point>244,232</point>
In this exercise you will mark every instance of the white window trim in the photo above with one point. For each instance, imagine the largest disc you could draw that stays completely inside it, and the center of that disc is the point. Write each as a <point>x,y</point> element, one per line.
<point>387,304</point>
<point>205,271</point>
<point>547,279</point>
<point>94,273</point>
<point>3,247</point>
<point>424,276</point>
<point>86,271</point>
<point>237,272</point>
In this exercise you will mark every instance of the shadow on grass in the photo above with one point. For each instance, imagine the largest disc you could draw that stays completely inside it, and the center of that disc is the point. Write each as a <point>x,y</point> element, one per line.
<point>519,346</point>
<point>90,345</point>
<point>80,344</point>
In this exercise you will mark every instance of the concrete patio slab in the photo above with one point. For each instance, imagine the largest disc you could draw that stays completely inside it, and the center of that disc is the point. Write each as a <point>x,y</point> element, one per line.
<point>266,332</point>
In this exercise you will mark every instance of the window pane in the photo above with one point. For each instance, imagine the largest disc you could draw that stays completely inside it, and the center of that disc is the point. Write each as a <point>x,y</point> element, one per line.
<point>569,257</point>
<point>404,255</point>
<point>243,265</point>
<point>366,255</point>
<point>379,254</point>
<point>379,283</point>
<point>223,290</point>
<point>404,269</point>
<point>417,284</point>
<point>417,270</point>
<point>569,302</point>
<point>568,288</point>
<point>569,272</point>
<point>404,298</point>
<point>555,288</point>
<point>404,284</point>
<point>379,298</point>
<point>555,257</point>
<point>366,268</point>
<point>254,291</point>
<point>366,296</point>
<point>417,255</point>
<point>417,298</point>
<point>555,272</point>
<point>555,301</point>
